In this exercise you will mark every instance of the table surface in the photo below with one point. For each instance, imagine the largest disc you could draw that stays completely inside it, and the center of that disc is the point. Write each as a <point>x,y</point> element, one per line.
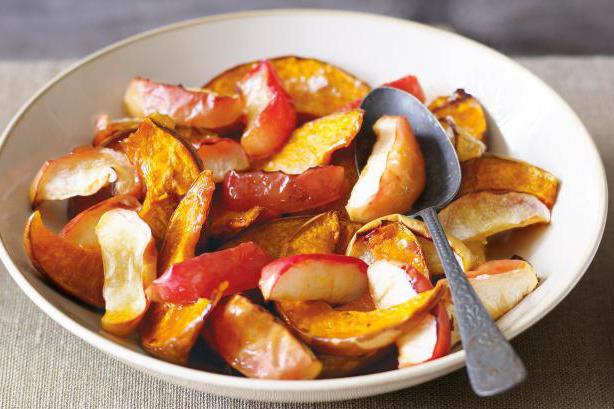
<point>569,354</point>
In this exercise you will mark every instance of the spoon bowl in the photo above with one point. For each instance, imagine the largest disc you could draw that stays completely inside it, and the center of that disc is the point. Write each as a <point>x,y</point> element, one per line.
<point>443,173</point>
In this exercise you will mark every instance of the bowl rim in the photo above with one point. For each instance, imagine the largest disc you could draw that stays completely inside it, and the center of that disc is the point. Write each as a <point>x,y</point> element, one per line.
<point>434,368</point>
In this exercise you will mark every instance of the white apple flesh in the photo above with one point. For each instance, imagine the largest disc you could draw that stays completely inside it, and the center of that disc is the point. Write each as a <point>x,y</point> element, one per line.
<point>83,172</point>
<point>418,344</point>
<point>332,278</point>
<point>390,284</point>
<point>394,176</point>
<point>129,258</point>
<point>500,285</point>
<point>477,216</point>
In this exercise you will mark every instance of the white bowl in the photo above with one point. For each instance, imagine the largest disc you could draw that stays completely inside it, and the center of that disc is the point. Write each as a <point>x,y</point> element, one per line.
<point>534,124</point>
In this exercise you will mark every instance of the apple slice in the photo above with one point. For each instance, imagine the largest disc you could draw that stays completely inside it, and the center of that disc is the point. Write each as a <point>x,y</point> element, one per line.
<point>501,174</point>
<point>84,172</point>
<point>75,269</point>
<point>198,277</point>
<point>270,112</point>
<point>394,175</point>
<point>283,193</point>
<point>199,108</point>
<point>186,223</point>
<point>336,366</point>
<point>332,278</point>
<point>82,228</point>
<point>314,143</point>
<point>500,285</point>
<point>354,333</point>
<point>477,216</point>
<point>221,155</point>
<point>252,341</point>
<point>168,166</point>
<point>392,284</point>
<point>109,131</point>
<point>129,257</point>
<point>409,84</point>
<point>464,109</point>
<point>429,339</point>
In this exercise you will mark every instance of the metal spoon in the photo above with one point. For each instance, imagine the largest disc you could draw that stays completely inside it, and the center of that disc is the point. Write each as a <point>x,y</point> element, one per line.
<point>492,363</point>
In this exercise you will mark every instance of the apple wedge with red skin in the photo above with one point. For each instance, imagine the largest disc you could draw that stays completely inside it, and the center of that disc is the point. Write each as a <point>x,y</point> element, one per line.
<point>197,108</point>
<point>392,284</point>
<point>129,258</point>
<point>479,215</point>
<point>256,344</point>
<point>83,172</point>
<point>332,278</point>
<point>221,155</point>
<point>283,193</point>
<point>109,131</point>
<point>199,277</point>
<point>429,339</point>
<point>500,285</point>
<point>81,229</point>
<point>270,112</point>
<point>394,176</point>
<point>408,83</point>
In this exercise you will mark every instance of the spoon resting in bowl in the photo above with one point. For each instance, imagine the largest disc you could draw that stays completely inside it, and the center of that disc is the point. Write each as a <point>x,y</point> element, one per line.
<point>492,364</point>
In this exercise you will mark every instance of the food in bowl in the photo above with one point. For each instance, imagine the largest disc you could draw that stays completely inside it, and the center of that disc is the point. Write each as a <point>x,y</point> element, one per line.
<point>229,221</point>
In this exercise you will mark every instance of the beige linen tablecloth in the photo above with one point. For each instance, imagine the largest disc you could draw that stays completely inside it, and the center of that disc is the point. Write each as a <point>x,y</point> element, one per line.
<point>569,354</point>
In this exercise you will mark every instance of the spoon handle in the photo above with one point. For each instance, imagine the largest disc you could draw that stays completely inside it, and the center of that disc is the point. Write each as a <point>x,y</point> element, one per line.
<point>492,363</point>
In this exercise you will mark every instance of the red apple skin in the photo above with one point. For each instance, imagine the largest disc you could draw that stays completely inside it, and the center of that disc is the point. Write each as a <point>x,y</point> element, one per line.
<point>400,182</point>
<point>81,229</point>
<point>444,325</point>
<point>221,155</point>
<point>255,343</point>
<point>201,109</point>
<point>322,265</point>
<point>75,173</point>
<point>444,332</point>
<point>493,267</point>
<point>283,193</point>
<point>199,277</point>
<point>409,84</point>
<point>270,112</point>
